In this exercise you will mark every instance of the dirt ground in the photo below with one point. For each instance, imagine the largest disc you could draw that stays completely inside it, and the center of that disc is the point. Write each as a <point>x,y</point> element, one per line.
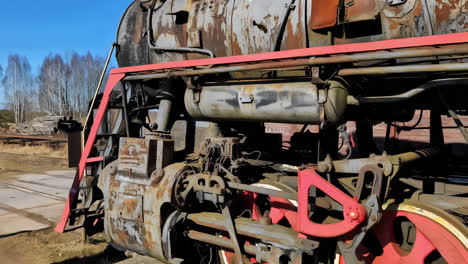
<point>16,160</point>
<point>45,246</point>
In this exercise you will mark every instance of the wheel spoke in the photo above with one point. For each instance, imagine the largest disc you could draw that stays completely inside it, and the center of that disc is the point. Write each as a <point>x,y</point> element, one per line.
<point>421,249</point>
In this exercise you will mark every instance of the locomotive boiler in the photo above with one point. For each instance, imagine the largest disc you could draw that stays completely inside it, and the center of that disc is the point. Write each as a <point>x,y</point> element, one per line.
<point>256,131</point>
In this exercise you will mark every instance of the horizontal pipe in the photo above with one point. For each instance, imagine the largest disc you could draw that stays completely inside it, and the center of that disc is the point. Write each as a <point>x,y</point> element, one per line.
<point>427,52</point>
<point>355,165</point>
<point>409,157</point>
<point>221,242</point>
<point>271,233</point>
<point>240,68</point>
<point>426,68</point>
<point>389,55</point>
<point>413,92</point>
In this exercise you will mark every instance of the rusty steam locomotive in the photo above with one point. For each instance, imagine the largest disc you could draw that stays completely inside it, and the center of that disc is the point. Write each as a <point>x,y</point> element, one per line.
<point>187,159</point>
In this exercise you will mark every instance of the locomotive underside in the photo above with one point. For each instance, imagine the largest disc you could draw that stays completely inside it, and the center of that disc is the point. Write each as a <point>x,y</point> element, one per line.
<point>196,169</point>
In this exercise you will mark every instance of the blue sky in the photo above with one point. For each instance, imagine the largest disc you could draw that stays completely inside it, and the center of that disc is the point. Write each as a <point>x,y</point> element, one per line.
<point>37,28</point>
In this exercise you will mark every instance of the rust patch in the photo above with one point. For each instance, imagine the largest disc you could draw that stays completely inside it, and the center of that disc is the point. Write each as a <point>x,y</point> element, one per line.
<point>294,37</point>
<point>409,25</point>
<point>324,13</point>
<point>442,10</point>
<point>236,49</point>
<point>360,10</point>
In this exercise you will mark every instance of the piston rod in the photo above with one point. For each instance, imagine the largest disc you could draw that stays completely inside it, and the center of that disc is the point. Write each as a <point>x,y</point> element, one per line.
<point>222,242</point>
<point>271,233</point>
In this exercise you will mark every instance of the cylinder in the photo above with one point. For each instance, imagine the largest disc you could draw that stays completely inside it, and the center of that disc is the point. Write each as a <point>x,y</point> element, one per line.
<point>292,102</point>
<point>164,113</point>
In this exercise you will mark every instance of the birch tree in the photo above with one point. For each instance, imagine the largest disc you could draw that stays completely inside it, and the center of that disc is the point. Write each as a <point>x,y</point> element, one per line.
<point>66,86</point>
<point>53,85</point>
<point>18,84</point>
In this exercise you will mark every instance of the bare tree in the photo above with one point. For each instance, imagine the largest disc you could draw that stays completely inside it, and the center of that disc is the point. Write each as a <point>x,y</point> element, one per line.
<point>53,85</point>
<point>18,84</point>
<point>65,86</point>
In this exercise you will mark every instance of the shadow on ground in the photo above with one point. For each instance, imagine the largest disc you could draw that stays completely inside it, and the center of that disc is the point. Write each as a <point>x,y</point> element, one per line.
<point>108,256</point>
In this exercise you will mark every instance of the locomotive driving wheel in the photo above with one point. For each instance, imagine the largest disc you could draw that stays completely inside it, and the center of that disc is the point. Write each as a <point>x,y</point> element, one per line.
<point>409,232</point>
<point>413,232</point>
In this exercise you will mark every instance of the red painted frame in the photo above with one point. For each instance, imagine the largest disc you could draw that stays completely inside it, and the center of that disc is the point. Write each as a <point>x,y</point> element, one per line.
<point>117,75</point>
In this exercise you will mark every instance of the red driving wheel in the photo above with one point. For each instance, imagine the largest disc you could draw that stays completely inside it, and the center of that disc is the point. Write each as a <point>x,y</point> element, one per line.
<point>416,233</point>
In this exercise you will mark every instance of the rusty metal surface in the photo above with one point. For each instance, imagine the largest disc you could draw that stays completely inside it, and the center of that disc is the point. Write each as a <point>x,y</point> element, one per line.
<point>324,13</point>
<point>131,208</point>
<point>449,16</point>
<point>228,27</point>
<point>361,10</point>
<point>137,156</point>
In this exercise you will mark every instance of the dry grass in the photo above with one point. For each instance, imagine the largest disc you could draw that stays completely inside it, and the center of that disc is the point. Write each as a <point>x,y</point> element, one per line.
<point>43,150</point>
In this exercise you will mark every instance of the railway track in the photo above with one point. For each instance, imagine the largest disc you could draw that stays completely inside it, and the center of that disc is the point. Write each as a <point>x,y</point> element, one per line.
<point>45,184</point>
<point>32,191</point>
<point>25,139</point>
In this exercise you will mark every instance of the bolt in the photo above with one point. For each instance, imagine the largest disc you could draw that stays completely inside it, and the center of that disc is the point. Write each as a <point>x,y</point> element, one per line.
<point>371,204</point>
<point>373,218</point>
<point>353,215</point>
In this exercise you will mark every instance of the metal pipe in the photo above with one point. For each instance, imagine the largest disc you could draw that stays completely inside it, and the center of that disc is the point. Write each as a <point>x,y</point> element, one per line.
<point>427,68</point>
<point>221,242</point>
<point>163,116</point>
<point>427,18</point>
<point>259,66</point>
<point>286,16</point>
<point>409,157</point>
<point>271,233</point>
<point>402,54</point>
<point>388,163</point>
<point>98,87</point>
<point>125,111</point>
<point>413,92</point>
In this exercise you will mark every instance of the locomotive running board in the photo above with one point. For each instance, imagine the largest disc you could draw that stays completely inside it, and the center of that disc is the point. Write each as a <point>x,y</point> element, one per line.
<point>119,74</point>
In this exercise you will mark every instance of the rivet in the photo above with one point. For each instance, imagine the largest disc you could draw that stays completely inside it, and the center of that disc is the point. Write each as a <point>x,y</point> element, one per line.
<point>353,215</point>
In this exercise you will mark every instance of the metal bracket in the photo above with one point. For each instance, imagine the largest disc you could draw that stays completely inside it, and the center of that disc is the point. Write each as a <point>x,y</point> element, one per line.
<point>348,250</point>
<point>246,98</point>
<point>354,213</point>
<point>377,182</point>
<point>315,71</point>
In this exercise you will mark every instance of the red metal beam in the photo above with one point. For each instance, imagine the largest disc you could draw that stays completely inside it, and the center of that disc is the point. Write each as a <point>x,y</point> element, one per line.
<point>456,38</point>
<point>73,194</point>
